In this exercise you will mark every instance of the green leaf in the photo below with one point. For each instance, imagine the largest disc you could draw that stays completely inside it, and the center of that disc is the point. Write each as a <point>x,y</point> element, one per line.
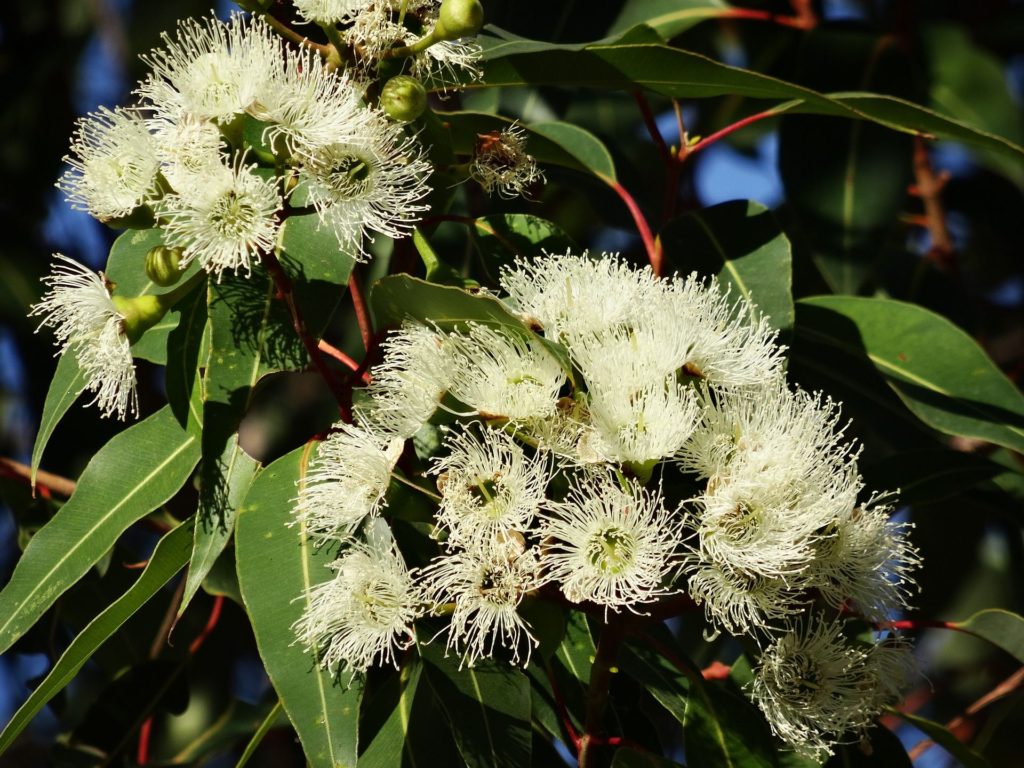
<point>847,180</point>
<point>212,535</point>
<point>720,727</point>
<point>277,565</point>
<point>487,706</point>
<point>999,627</point>
<point>503,237</point>
<point>926,476</point>
<point>938,371</point>
<point>968,83</point>
<point>168,558</point>
<point>941,736</point>
<point>742,243</point>
<point>668,17</point>
<point>677,73</point>
<point>187,349</point>
<point>133,474</point>
<point>390,746</point>
<point>588,150</point>
<point>882,748</point>
<point>577,650</point>
<point>633,758</point>
<point>67,384</point>
<point>397,298</point>
<point>272,719</point>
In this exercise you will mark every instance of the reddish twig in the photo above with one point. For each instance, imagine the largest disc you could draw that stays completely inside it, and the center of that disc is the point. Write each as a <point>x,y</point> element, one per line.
<point>563,711</point>
<point>716,671</point>
<point>45,481</point>
<point>651,245</point>
<point>914,624</point>
<point>211,624</point>
<point>652,126</point>
<point>290,34</point>
<point>597,691</point>
<point>928,187</point>
<point>958,726</point>
<point>341,357</point>
<point>685,151</point>
<point>142,753</point>
<point>795,22</point>
<point>362,313</point>
<point>283,284</point>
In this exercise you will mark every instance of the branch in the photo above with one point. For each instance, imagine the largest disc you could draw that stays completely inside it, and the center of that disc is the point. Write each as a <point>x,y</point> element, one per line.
<point>283,284</point>
<point>597,691</point>
<point>929,188</point>
<point>341,357</point>
<point>652,246</point>
<point>46,480</point>
<point>685,151</point>
<point>362,314</point>
<point>290,34</point>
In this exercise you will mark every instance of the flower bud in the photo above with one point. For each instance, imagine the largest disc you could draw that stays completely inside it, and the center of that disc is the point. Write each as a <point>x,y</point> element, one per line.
<point>139,314</point>
<point>162,265</point>
<point>458,18</point>
<point>403,98</point>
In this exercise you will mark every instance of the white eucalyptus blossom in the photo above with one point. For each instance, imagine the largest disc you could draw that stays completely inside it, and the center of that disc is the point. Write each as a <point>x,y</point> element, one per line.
<point>114,164</point>
<point>365,614</point>
<point>212,70</point>
<point>641,424</point>
<point>408,384</point>
<point>502,166</point>
<point>774,432</point>
<point>484,586</point>
<point>310,106</point>
<point>377,29</point>
<point>346,482</point>
<point>503,373</point>
<point>614,545</point>
<point>87,324</point>
<point>815,687</point>
<point>866,561</point>
<point>741,602</point>
<point>224,220</point>
<point>376,184</point>
<point>330,11</point>
<point>489,486</point>
<point>187,147</point>
<point>731,345</point>
<point>573,296</point>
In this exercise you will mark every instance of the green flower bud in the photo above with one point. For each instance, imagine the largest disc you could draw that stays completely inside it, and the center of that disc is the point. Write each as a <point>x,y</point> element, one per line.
<point>403,98</point>
<point>139,314</point>
<point>162,265</point>
<point>458,18</point>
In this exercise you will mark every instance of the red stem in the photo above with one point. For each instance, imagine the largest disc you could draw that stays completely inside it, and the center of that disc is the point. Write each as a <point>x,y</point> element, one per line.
<point>341,357</point>
<point>142,753</point>
<point>687,151</point>
<point>796,22</point>
<point>652,246</point>
<point>563,711</point>
<point>362,314</point>
<point>652,126</point>
<point>284,290</point>
<point>211,624</point>
<point>912,624</point>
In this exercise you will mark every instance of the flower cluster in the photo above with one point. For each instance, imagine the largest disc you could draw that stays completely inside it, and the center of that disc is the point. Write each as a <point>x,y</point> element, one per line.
<point>232,126</point>
<point>558,445</point>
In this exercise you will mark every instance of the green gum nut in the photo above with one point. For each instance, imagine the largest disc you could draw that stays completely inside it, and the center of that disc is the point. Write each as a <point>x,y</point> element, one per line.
<point>163,265</point>
<point>458,18</point>
<point>139,314</point>
<point>403,98</point>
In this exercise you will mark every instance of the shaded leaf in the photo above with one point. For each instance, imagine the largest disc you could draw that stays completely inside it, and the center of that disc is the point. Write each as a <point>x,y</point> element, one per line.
<point>133,474</point>
<point>938,371</point>
<point>742,243</point>
<point>168,558</point>
<point>677,73</point>
<point>487,706</point>
<point>277,565</point>
<point>502,238</point>
<point>633,758</point>
<point>390,746</point>
<point>930,475</point>
<point>668,17</point>
<point>588,150</point>
<point>941,736</point>
<point>999,627</point>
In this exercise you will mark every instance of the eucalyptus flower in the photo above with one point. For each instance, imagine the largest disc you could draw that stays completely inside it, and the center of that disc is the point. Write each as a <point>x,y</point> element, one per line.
<point>346,482</point>
<point>502,166</point>
<point>87,323</point>
<point>365,614</point>
<point>114,164</point>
